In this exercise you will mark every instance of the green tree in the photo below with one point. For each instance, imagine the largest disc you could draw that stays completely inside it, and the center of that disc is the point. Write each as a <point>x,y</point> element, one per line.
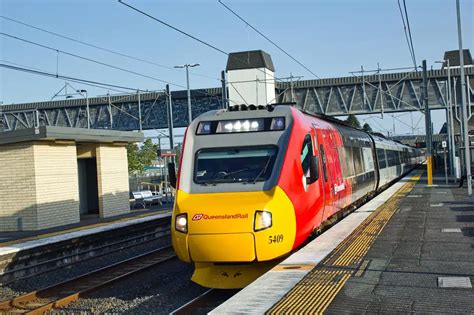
<point>178,149</point>
<point>148,152</point>
<point>353,121</point>
<point>367,128</point>
<point>134,164</point>
<point>139,157</point>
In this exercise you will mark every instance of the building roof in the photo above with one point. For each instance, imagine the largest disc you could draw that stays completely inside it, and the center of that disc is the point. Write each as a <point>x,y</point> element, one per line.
<point>249,60</point>
<point>453,57</point>
<point>65,133</point>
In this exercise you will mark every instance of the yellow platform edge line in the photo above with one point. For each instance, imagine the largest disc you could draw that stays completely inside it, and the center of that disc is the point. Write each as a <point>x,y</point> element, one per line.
<point>362,238</point>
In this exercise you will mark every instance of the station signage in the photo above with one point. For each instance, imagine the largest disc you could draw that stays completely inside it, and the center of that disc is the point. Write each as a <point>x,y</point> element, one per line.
<point>165,153</point>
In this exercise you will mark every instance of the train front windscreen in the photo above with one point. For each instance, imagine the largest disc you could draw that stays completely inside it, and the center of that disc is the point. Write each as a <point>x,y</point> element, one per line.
<point>246,165</point>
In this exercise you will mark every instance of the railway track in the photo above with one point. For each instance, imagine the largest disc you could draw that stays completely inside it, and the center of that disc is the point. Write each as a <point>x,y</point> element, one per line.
<point>205,302</point>
<point>90,252</point>
<point>61,294</point>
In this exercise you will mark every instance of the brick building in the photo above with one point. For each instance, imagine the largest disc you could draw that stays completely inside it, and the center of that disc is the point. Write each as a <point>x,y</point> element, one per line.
<point>53,176</point>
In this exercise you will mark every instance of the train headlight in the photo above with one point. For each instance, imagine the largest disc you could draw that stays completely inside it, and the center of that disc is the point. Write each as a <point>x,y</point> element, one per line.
<point>204,128</point>
<point>245,125</point>
<point>278,123</point>
<point>263,220</point>
<point>181,223</point>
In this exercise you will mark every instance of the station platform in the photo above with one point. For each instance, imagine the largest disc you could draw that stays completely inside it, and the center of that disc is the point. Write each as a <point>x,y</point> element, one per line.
<point>408,250</point>
<point>11,242</point>
<point>46,251</point>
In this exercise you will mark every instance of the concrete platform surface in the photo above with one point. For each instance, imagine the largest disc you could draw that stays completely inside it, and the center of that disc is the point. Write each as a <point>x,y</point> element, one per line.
<point>266,291</point>
<point>41,238</point>
<point>422,261</point>
<point>87,221</point>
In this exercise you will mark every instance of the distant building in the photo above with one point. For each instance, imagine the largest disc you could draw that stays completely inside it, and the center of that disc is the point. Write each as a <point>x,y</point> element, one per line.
<point>53,176</point>
<point>455,61</point>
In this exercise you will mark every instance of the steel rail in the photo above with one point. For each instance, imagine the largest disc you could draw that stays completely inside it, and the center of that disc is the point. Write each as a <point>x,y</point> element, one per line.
<point>209,299</point>
<point>63,293</point>
<point>69,258</point>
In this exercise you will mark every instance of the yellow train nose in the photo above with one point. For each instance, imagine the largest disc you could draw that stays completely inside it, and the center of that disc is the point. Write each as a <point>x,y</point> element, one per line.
<point>222,248</point>
<point>233,227</point>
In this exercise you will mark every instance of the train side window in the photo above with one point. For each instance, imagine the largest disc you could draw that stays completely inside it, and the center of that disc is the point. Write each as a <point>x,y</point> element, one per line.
<point>390,158</point>
<point>393,156</point>
<point>306,153</point>
<point>358,161</point>
<point>349,161</point>
<point>382,158</point>
<point>343,162</point>
<point>368,159</point>
<point>323,159</point>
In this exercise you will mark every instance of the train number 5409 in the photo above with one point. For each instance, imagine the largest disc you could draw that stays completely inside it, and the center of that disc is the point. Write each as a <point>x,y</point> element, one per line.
<point>275,238</point>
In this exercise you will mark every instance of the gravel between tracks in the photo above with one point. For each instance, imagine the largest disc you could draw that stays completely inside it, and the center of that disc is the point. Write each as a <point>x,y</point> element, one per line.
<point>34,283</point>
<point>155,291</point>
<point>158,290</point>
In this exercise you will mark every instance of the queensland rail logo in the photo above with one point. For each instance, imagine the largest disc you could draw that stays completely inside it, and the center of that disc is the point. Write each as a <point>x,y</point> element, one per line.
<point>200,216</point>
<point>197,217</point>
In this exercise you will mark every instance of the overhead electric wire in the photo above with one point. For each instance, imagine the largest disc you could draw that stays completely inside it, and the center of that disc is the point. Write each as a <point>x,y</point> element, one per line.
<point>102,48</point>
<point>409,43</point>
<point>409,32</point>
<point>63,77</point>
<point>268,39</point>
<point>127,70</point>
<point>103,63</point>
<point>382,127</point>
<point>77,80</point>
<point>395,117</point>
<point>174,28</point>
<point>88,59</point>
<point>388,92</point>
<point>42,70</point>
<point>184,33</point>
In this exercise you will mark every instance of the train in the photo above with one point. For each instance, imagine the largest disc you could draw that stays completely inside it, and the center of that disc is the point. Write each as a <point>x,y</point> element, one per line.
<point>255,182</point>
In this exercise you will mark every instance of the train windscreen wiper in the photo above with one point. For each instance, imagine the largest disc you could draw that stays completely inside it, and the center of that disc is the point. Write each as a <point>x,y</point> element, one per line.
<point>207,183</point>
<point>225,174</point>
<point>264,169</point>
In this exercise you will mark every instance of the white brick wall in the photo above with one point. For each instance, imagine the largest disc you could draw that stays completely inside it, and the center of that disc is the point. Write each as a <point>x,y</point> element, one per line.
<point>112,177</point>
<point>17,187</point>
<point>39,184</point>
<point>57,194</point>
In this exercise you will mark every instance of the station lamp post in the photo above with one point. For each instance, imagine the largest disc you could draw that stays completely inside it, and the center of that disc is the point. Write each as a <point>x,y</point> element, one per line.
<point>187,66</point>
<point>87,106</point>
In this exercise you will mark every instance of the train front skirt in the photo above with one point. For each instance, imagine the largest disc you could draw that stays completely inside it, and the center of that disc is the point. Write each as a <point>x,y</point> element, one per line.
<point>230,276</point>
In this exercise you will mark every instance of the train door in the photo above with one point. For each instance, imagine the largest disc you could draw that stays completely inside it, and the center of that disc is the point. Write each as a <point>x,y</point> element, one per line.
<point>320,183</point>
<point>326,180</point>
<point>338,186</point>
<point>311,181</point>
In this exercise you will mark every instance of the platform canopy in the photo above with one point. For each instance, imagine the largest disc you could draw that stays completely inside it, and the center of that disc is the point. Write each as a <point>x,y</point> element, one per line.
<point>51,133</point>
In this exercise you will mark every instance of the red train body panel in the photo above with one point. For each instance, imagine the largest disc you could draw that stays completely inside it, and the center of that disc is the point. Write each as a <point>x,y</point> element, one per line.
<point>280,169</point>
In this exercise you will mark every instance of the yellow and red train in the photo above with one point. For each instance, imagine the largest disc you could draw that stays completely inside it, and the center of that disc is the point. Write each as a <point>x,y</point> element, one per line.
<point>255,182</point>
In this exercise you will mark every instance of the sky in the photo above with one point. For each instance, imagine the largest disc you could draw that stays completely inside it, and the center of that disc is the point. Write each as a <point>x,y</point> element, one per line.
<point>330,37</point>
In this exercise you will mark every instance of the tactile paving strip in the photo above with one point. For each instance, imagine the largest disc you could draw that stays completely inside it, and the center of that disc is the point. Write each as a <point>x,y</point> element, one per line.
<point>314,293</point>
